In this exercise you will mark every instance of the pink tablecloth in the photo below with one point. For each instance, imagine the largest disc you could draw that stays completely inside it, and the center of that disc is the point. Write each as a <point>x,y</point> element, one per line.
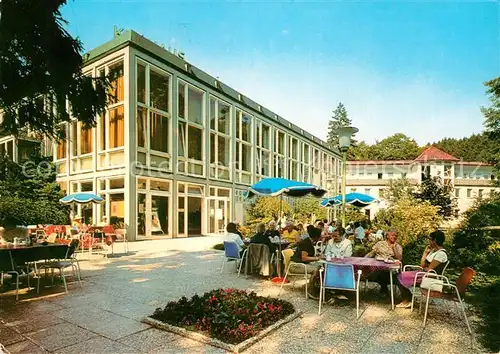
<point>407,278</point>
<point>367,265</point>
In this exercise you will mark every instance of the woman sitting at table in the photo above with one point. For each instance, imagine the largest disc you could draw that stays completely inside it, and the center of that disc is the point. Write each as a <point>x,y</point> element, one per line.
<point>304,254</point>
<point>231,235</point>
<point>434,258</point>
<point>338,247</point>
<point>386,249</point>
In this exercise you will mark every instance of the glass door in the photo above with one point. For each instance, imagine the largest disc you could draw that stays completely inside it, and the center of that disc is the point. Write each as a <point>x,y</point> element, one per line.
<point>159,215</point>
<point>218,217</point>
<point>141,215</point>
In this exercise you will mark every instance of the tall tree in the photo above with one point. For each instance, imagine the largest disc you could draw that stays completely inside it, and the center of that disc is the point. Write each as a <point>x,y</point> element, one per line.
<point>438,194</point>
<point>396,147</point>
<point>41,69</point>
<point>492,120</point>
<point>339,119</point>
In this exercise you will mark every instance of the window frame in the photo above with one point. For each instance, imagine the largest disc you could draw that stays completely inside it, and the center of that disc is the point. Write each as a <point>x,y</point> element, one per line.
<point>217,168</point>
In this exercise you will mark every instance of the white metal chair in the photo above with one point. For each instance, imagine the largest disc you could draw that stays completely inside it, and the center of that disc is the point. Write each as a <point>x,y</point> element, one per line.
<point>232,253</point>
<point>69,260</point>
<point>455,294</point>
<point>339,277</point>
<point>287,255</point>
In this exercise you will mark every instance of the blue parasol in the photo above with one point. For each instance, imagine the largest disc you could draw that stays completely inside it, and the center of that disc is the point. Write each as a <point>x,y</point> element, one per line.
<point>82,198</point>
<point>272,187</point>
<point>357,199</point>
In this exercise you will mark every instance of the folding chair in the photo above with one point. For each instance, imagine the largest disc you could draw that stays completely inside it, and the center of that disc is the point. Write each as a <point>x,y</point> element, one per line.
<point>318,248</point>
<point>339,277</point>
<point>287,255</point>
<point>232,253</point>
<point>7,267</point>
<point>456,293</point>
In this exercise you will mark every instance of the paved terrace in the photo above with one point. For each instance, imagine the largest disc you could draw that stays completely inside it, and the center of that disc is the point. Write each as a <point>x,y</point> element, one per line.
<point>104,315</point>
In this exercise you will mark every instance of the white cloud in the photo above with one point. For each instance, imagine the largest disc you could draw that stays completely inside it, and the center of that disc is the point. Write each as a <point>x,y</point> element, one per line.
<point>306,93</point>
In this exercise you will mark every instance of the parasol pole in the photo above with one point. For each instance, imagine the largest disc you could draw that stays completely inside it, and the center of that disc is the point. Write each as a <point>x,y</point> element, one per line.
<point>279,278</point>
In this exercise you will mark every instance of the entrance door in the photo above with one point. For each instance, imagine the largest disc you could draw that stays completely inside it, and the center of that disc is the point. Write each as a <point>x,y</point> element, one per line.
<point>159,215</point>
<point>218,216</point>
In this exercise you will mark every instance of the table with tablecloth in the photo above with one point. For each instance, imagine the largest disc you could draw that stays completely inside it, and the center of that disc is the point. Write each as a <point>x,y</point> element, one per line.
<point>369,265</point>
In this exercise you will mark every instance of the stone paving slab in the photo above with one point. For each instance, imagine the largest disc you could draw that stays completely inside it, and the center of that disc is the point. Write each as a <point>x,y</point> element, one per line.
<point>104,316</point>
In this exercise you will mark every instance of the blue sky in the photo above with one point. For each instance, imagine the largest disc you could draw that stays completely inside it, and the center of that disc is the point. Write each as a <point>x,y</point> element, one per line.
<point>399,66</point>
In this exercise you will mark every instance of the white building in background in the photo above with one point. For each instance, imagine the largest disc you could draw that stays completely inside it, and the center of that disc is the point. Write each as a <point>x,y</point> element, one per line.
<point>177,148</point>
<point>470,180</point>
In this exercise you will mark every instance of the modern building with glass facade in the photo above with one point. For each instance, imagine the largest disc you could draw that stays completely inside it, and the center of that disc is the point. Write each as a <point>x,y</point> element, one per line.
<point>177,148</point>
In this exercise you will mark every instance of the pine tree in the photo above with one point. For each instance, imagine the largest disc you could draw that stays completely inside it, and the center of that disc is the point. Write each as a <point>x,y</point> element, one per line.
<point>339,119</point>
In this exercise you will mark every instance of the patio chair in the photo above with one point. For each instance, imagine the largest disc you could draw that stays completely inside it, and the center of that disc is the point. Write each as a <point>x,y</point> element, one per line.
<point>232,253</point>
<point>7,267</point>
<point>339,277</point>
<point>69,260</point>
<point>121,234</point>
<point>455,292</point>
<point>411,283</point>
<point>287,255</point>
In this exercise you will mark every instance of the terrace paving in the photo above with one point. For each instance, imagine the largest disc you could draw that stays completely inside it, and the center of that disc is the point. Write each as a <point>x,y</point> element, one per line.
<point>103,316</point>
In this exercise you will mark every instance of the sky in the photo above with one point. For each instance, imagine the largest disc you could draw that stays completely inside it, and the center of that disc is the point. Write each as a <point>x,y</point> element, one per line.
<point>398,66</point>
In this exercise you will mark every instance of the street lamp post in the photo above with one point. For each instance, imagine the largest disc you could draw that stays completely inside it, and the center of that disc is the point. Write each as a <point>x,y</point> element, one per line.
<point>345,134</point>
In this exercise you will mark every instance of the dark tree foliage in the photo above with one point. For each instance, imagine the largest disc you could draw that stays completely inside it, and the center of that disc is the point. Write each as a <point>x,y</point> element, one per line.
<point>41,69</point>
<point>492,120</point>
<point>29,193</point>
<point>339,119</point>
<point>438,194</point>
<point>477,147</point>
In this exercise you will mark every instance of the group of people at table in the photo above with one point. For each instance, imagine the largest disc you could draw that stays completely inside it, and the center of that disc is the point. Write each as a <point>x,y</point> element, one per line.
<point>339,244</point>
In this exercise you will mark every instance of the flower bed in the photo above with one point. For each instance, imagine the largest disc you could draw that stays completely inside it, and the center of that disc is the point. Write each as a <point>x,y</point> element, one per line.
<point>229,315</point>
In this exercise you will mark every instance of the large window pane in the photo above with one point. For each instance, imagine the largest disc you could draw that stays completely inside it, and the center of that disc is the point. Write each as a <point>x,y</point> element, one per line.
<point>141,83</point>
<point>116,128</point>
<point>224,118</point>
<point>195,143</point>
<point>265,136</point>
<point>212,113</point>
<point>246,127</point>
<point>265,163</point>
<point>141,127</point>
<point>61,144</point>
<point>159,90</point>
<point>181,100</point>
<point>116,75</point>
<point>86,140</point>
<point>246,155</point>
<point>74,138</point>
<point>181,147</point>
<point>195,105</point>
<point>213,142</point>
<point>102,133</point>
<point>281,143</point>
<point>223,152</point>
<point>159,132</point>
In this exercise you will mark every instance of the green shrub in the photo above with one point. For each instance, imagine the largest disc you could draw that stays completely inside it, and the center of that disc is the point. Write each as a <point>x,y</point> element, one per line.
<point>361,250</point>
<point>487,303</point>
<point>219,247</point>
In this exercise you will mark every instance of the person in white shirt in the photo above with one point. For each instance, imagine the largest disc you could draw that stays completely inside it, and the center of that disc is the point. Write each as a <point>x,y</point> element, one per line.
<point>338,247</point>
<point>434,258</point>
<point>359,232</point>
<point>231,235</point>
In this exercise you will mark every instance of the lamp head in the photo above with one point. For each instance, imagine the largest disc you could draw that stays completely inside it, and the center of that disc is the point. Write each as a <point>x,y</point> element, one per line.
<point>345,134</point>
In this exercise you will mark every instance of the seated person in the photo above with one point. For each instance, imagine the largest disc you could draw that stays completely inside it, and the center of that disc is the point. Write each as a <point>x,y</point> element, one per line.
<point>77,222</point>
<point>261,236</point>
<point>2,233</point>
<point>386,249</point>
<point>433,258</point>
<point>305,254</point>
<point>271,230</point>
<point>231,235</point>
<point>291,234</point>
<point>338,247</point>
<point>104,221</point>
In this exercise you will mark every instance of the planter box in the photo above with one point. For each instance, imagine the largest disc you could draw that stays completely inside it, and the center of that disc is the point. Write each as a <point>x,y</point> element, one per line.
<point>235,348</point>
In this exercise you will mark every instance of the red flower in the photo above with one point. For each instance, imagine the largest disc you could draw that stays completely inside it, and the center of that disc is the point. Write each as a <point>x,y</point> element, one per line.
<point>271,307</point>
<point>212,299</point>
<point>229,291</point>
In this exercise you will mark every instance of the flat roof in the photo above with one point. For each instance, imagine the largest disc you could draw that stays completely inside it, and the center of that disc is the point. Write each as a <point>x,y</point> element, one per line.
<point>134,39</point>
<point>411,162</point>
